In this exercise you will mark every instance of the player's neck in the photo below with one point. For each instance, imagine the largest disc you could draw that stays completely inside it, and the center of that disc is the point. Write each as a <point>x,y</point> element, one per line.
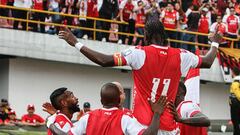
<point>110,106</point>
<point>157,42</point>
<point>68,113</point>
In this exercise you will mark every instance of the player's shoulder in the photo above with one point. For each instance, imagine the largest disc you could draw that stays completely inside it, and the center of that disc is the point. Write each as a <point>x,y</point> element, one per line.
<point>61,117</point>
<point>127,112</point>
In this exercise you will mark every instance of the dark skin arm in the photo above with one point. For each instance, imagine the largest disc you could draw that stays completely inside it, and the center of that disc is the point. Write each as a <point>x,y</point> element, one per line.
<point>198,120</point>
<point>108,61</point>
<point>208,59</point>
<point>96,57</point>
<point>157,108</point>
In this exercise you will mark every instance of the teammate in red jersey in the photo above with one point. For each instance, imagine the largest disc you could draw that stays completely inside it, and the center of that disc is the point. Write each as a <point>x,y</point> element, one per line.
<point>190,119</point>
<point>157,68</point>
<point>111,120</point>
<point>63,100</point>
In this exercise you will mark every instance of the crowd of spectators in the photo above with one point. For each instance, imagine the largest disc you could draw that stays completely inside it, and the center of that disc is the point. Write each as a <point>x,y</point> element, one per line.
<point>8,116</point>
<point>202,16</point>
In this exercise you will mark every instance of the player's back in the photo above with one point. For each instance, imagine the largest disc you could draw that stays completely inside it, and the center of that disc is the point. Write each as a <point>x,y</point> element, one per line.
<point>105,122</point>
<point>159,75</point>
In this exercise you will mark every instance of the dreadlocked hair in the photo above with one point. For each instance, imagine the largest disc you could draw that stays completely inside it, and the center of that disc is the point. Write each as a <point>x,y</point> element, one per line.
<point>154,29</point>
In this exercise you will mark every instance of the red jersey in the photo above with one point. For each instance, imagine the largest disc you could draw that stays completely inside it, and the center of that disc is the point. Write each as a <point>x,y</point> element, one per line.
<point>32,119</point>
<point>62,122</point>
<point>92,8</point>
<point>1,122</point>
<point>140,17</point>
<point>170,19</point>
<point>187,109</point>
<point>127,11</point>
<point>3,2</point>
<point>157,71</point>
<point>203,24</point>
<point>104,121</point>
<point>232,22</point>
<point>38,4</point>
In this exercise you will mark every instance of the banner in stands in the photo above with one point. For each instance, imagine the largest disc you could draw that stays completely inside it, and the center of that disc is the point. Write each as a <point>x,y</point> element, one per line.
<point>228,59</point>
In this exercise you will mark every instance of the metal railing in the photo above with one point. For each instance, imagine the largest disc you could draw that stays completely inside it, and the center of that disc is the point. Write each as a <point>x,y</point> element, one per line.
<point>95,29</point>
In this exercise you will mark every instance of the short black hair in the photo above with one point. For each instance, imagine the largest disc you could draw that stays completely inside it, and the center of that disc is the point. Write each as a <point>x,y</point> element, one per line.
<point>183,87</point>
<point>155,29</point>
<point>54,97</point>
<point>110,94</point>
<point>236,71</point>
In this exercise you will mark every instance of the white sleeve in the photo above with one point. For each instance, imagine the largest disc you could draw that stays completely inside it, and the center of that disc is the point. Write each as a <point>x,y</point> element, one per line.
<point>79,128</point>
<point>122,4</point>
<point>224,20</point>
<point>131,126</point>
<point>209,15</point>
<point>163,14</point>
<point>212,28</point>
<point>177,16</point>
<point>65,128</point>
<point>135,57</point>
<point>187,110</point>
<point>189,11</point>
<point>188,60</point>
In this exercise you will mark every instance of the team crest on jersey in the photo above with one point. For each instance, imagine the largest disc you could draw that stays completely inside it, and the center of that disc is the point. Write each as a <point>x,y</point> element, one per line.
<point>163,52</point>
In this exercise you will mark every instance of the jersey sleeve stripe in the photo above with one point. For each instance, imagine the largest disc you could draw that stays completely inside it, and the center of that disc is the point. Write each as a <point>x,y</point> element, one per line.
<point>194,113</point>
<point>141,132</point>
<point>119,60</point>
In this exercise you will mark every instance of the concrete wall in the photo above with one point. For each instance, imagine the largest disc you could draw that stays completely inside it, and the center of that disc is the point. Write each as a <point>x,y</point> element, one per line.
<point>4,72</point>
<point>32,81</point>
<point>214,100</point>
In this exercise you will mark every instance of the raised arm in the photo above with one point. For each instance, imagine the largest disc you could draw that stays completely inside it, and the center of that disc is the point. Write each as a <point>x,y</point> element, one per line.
<point>96,57</point>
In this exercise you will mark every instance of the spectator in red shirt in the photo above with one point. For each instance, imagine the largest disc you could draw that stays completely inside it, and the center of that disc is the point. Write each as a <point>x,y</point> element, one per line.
<point>32,119</point>
<point>170,19</point>
<point>140,20</point>
<point>126,15</point>
<point>232,22</point>
<point>12,120</point>
<point>203,26</point>
<point>38,5</point>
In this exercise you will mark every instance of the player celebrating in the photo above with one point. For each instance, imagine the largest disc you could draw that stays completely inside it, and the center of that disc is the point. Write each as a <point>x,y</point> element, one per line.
<point>67,104</point>
<point>110,119</point>
<point>157,69</point>
<point>190,119</point>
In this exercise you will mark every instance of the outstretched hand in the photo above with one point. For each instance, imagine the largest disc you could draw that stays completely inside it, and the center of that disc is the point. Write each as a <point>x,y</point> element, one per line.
<point>159,106</point>
<point>67,35</point>
<point>216,37</point>
<point>47,107</point>
<point>173,111</point>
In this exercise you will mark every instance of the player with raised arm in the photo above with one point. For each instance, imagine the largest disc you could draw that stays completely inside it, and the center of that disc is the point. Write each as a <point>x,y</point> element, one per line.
<point>110,119</point>
<point>157,69</point>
